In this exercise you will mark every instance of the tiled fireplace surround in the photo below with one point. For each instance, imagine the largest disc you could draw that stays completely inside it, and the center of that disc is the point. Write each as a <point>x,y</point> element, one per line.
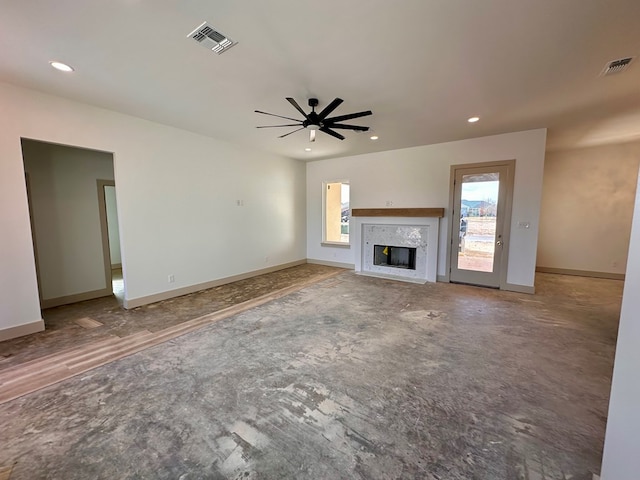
<point>399,228</point>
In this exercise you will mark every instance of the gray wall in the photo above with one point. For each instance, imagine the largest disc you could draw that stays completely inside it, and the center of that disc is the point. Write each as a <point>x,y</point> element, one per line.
<point>112,222</point>
<point>587,206</point>
<point>64,196</point>
<point>620,458</point>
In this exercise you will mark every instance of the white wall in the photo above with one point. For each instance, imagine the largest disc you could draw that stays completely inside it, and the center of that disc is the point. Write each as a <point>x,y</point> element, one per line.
<point>587,205</point>
<point>177,195</point>
<point>621,459</point>
<point>112,225</point>
<point>419,177</point>
<point>66,216</point>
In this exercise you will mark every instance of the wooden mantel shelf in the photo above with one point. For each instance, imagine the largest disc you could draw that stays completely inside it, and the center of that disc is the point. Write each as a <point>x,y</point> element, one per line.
<point>398,212</point>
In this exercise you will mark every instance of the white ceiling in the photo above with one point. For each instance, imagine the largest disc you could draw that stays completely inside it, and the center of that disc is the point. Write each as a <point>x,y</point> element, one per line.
<point>422,66</point>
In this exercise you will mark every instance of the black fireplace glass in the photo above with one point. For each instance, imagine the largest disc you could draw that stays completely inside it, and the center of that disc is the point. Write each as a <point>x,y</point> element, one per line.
<point>392,256</point>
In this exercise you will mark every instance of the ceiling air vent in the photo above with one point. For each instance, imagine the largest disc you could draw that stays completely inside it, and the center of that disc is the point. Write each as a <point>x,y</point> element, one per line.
<point>206,36</point>
<point>616,66</point>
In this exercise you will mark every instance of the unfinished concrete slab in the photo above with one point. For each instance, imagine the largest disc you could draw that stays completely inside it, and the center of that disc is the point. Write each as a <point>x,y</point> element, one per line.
<point>63,323</point>
<point>352,377</point>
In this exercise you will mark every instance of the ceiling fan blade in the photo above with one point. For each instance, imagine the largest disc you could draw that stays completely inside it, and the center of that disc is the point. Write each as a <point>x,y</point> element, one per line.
<point>286,125</point>
<point>347,117</point>
<point>349,127</point>
<point>312,135</point>
<point>332,133</point>
<point>330,108</point>
<point>279,116</point>
<point>282,136</point>
<point>297,107</point>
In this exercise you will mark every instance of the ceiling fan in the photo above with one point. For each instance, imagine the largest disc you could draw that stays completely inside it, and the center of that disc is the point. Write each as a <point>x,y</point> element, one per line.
<point>314,121</point>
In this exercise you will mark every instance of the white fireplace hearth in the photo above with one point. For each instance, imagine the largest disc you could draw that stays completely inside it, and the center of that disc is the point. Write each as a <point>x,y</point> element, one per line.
<point>409,232</point>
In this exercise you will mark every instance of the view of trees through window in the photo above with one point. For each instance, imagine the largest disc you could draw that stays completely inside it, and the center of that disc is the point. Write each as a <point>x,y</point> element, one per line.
<point>337,212</point>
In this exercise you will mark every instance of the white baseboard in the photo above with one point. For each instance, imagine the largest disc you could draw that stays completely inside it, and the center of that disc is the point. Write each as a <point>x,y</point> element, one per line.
<point>581,273</point>
<point>348,266</point>
<point>21,330</point>
<point>178,292</point>
<point>511,287</point>
<point>78,297</point>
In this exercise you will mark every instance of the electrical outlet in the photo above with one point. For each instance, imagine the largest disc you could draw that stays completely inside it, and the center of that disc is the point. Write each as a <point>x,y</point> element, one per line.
<point>171,278</point>
<point>524,225</point>
<point>240,203</point>
<point>389,203</point>
<point>266,259</point>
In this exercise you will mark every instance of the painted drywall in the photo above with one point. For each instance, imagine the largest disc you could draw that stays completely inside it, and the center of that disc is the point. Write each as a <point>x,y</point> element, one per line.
<point>587,205</point>
<point>19,302</point>
<point>177,198</point>
<point>620,459</point>
<point>419,177</point>
<point>112,225</point>
<point>66,217</point>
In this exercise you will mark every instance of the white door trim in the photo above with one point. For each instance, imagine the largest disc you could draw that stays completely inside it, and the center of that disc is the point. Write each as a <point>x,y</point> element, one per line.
<point>453,229</point>
<point>104,230</point>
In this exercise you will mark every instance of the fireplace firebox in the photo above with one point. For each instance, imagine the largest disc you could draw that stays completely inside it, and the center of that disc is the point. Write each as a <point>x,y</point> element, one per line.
<point>397,257</point>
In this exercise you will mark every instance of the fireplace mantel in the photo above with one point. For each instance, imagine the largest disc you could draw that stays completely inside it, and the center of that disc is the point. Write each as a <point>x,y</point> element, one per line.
<point>398,212</point>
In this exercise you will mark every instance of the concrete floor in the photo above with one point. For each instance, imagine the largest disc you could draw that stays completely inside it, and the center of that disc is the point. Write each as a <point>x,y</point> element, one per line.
<point>352,377</point>
<point>62,330</point>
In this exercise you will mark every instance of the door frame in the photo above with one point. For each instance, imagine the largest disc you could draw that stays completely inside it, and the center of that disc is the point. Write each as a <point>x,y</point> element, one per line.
<point>453,230</point>
<point>27,179</point>
<point>104,228</point>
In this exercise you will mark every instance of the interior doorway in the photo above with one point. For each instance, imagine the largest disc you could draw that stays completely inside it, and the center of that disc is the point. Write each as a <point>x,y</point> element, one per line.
<point>481,205</point>
<point>111,237</point>
<point>69,243</point>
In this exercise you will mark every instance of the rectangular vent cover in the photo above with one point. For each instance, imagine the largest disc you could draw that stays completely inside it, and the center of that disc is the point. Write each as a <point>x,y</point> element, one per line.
<point>210,38</point>
<point>616,66</point>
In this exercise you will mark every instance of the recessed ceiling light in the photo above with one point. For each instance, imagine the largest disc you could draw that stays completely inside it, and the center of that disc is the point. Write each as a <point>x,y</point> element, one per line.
<point>473,119</point>
<point>307,149</point>
<point>374,137</point>
<point>63,67</point>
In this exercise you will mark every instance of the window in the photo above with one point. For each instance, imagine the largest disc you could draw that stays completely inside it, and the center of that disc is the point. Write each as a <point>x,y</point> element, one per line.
<point>336,212</point>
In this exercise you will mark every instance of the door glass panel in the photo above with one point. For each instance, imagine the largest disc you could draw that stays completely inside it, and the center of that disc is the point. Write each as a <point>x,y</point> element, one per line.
<point>478,209</point>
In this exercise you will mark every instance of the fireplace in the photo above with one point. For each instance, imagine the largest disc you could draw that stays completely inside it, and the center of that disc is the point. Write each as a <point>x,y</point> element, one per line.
<point>411,236</point>
<point>395,250</point>
<point>394,256</point>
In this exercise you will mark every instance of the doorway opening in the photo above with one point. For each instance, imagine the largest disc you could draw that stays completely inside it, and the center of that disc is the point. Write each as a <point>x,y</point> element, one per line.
<point>480,199</point>
<point>111,236</point>
<point>69,220</point>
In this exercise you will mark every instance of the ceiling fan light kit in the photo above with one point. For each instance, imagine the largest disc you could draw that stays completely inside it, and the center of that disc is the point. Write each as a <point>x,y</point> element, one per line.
<point>314,121</point>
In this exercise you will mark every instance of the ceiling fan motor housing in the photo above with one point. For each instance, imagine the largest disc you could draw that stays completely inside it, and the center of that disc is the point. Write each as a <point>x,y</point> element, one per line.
<point>313,121</point>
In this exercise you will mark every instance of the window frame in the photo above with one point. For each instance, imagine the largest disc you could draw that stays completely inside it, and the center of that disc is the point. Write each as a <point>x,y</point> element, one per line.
<point>333,243</point>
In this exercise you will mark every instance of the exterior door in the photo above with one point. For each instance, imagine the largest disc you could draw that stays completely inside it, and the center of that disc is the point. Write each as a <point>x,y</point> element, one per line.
<point>481,217</point>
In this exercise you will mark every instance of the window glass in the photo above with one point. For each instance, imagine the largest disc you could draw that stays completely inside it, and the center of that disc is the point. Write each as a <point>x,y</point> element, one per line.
<point>336,212</point>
